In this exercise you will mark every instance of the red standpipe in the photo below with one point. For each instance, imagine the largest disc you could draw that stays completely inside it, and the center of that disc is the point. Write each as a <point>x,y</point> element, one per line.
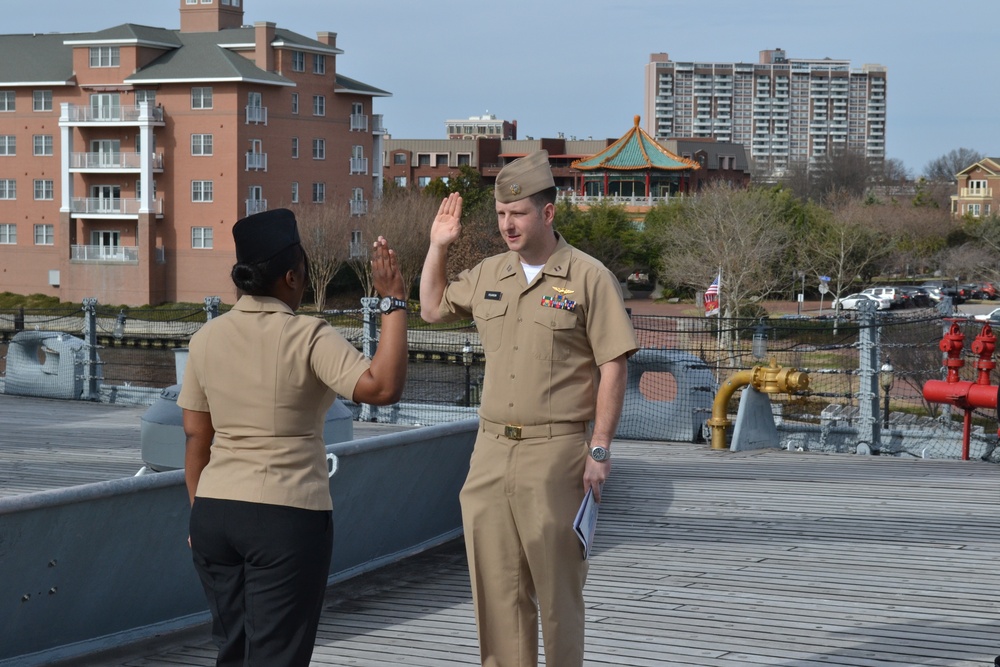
<point>961,393</point>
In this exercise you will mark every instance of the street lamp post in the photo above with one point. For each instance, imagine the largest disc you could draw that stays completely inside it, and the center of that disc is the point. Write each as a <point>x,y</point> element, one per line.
<point>467,362</point>
<point>802,293</point>
<point>885,379</point>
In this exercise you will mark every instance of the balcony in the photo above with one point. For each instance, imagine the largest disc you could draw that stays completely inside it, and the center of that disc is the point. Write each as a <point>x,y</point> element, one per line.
<point>976,193</point>
<point>359,207</point>
<point>256,206</point>
<point>359,122</point>
<point>377,126</point>
<point>118,254</point>
<point>109,114</point>
<point>112,161</point>
<point>256,162</point>
<point>256,115</point>
<point>110,208</point>
<point>359,165</point>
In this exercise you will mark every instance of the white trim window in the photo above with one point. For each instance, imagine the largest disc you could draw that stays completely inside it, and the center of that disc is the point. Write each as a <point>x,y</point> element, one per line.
<point>318,193</point>
<point>7,100</point>
<point>8,234</point>
<point>319,105</point>
<point>201,238</point>
<point>45,189</point>
<point>42,144</point>
<point>41,100</point>
<point>298,61</point>
<point>8,144</point>
<point>295,192</point>
<point>45,234</point>
<point>319,149</point>
<point>201,144</point>
<point>8,188</point>
<point>400,181</point>
<point>201,191</point>
<point>295,148</point>
<point>295,104</point>
<point>105,56</point>
<point>319,63</point>
<point>201,97</point>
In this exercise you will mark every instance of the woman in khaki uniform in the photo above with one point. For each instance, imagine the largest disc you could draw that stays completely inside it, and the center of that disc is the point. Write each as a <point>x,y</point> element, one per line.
<point>556,336</point>
<point>257,386</point>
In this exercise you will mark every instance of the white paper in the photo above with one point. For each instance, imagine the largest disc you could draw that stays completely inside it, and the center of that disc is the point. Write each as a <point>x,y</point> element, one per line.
<point>585,522</point>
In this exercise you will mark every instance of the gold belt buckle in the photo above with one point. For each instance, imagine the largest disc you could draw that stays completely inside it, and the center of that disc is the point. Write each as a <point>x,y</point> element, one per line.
<point>512,432</point>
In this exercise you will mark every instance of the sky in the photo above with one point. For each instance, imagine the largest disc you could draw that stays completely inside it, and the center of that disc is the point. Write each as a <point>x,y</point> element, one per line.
<point>577,66</point>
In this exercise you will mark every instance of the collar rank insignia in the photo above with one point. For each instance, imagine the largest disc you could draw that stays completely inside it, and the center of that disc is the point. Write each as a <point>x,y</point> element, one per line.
<point>563,291</point>
<point>559,303</point>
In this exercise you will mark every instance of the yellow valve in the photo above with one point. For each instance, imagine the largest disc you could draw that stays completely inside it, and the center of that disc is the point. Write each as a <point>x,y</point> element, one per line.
<point>770,379</point>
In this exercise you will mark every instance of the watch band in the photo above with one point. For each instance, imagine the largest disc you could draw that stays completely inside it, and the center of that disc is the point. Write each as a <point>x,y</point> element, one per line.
<point>391,303</point>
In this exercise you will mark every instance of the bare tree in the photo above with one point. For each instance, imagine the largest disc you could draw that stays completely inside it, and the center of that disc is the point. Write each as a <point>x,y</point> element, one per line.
<point>739,231</point>
<point>325,232</point>
<point>944,168</point>
<point>404,218</point>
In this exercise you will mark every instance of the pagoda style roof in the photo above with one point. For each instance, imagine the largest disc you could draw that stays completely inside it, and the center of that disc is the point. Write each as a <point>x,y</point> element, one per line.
<point>636,151</point>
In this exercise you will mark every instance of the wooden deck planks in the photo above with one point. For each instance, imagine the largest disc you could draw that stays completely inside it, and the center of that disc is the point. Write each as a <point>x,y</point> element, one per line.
<point>702,558</point>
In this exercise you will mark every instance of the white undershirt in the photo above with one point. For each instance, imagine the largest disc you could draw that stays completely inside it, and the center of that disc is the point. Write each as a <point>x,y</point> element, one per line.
<point>530,271</point>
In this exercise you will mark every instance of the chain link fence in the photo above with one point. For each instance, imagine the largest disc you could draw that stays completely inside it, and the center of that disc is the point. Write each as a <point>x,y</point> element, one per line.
<point>95,353</point>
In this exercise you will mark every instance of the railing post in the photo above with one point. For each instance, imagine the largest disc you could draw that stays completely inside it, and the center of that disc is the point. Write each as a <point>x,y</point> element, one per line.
<point>946,309</point>
<point>868,347</point>
<point>91,392</point>
<point>369,343</point>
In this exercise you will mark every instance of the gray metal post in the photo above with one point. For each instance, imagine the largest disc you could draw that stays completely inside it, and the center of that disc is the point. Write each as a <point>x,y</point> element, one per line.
<point>945,308</point>
<point>211,307</point>
<point>91,392</point>
<point>369,343</point>
<point>868,387</point>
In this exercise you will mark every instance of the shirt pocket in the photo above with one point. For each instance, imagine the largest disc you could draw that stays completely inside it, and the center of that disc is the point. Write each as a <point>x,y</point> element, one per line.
<point>553,333</point>
<point>489,322</point>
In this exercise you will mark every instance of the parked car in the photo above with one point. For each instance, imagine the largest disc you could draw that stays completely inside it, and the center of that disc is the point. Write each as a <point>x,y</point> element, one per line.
<point>851,301</point>
<point>919,296</point>
<point>940,288</point>
<point>993,317</point>
<point>894,295</point>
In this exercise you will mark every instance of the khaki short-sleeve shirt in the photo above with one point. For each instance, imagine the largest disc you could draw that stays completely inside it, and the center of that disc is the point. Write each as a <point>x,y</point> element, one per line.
<point>268,377</point>
<point>544,342</point>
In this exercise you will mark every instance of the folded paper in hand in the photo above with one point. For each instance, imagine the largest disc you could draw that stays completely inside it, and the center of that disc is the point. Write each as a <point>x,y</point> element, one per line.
<point>586,522</point>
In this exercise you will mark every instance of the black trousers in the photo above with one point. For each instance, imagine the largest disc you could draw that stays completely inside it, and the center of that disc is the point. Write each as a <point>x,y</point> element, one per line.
<point>264,570</point>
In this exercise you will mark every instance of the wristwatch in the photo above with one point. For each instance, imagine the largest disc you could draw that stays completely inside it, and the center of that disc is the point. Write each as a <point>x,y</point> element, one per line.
<point>390,303</point>
<point>600,454</point>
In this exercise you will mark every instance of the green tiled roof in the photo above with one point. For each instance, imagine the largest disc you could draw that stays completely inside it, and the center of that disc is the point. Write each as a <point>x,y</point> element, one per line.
<point>636,151</point>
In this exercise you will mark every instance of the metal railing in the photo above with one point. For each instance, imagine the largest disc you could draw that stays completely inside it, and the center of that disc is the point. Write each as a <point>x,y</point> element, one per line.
<point>359,165</point>
<point>257,115</point>
<point>359,207</point>
<point>104,253</point>
<point>256,206</point>
<point>359,122</point>
<point>113,113</point>
<point>256,161</point>
<point>112,160</point>
<point>101,206</point>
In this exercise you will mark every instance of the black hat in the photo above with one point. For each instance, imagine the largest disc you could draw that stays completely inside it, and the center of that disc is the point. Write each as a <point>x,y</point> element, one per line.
<point>261,236</point>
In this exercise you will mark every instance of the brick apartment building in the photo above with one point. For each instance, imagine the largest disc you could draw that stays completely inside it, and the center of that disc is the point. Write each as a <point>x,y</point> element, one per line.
<point>127,154</point>
<point>977,191</point>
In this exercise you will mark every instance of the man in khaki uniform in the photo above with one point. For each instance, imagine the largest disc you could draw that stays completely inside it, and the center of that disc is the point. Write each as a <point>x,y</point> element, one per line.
<point>556,336</point>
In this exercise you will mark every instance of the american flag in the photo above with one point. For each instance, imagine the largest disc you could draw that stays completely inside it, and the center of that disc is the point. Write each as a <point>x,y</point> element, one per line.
<point>712,297</point>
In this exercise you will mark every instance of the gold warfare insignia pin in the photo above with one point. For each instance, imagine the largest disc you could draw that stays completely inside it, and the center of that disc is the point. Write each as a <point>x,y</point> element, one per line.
<point>515,189</point>
<point>562,290</point>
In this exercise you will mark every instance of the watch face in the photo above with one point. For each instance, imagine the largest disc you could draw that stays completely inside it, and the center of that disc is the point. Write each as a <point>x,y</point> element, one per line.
<point>385,304</point>
<point>599,454</point>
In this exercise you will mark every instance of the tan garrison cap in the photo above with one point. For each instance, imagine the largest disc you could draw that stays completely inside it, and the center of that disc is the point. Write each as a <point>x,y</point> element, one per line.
<point>524,177</point>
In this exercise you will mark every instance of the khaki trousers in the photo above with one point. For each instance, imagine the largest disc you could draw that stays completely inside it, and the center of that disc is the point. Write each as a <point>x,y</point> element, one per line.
<point>518,506</point>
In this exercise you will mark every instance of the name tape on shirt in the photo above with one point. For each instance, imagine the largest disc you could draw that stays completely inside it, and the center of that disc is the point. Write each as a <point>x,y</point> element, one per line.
<point>493,296</point>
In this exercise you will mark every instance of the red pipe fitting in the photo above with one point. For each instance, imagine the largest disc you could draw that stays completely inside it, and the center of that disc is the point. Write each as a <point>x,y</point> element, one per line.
<point>952,344</point>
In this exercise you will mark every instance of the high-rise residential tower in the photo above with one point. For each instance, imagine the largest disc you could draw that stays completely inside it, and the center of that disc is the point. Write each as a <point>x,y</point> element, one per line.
<point>784,110</point>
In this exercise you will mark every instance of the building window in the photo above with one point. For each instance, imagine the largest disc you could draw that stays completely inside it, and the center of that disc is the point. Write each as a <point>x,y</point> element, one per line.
<point>201,237</point>
<point>399,158</point>
<point>201,144</point>
<point>6,100</point>
<point>319,193</point>
<point>145,96</point>
<point>319,105</point>
<point>45,234</point>
<point>295,192</point>
<point>295,148</point>
<point>8,234</point>
<point>978,185</point>
<point>442,160</point>
<point>8,144</point>
<point>295,103</point>
<point>972,209</point>
<point>400,181</point>
<point>201,98</point>
<point>319,63</point>
<point>8,188</point>
<point>201,191</point>
<point>41,100</point>
<point>105,56</point>
<point>423,160</point>
<point>319,149</point>
<point>423,181</point>
<point>298,61</point>
<point>464,159</point>
<point>44,189</point>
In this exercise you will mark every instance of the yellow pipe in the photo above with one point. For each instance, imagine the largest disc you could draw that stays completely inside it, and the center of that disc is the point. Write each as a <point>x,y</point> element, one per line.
<point>770,379</point>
